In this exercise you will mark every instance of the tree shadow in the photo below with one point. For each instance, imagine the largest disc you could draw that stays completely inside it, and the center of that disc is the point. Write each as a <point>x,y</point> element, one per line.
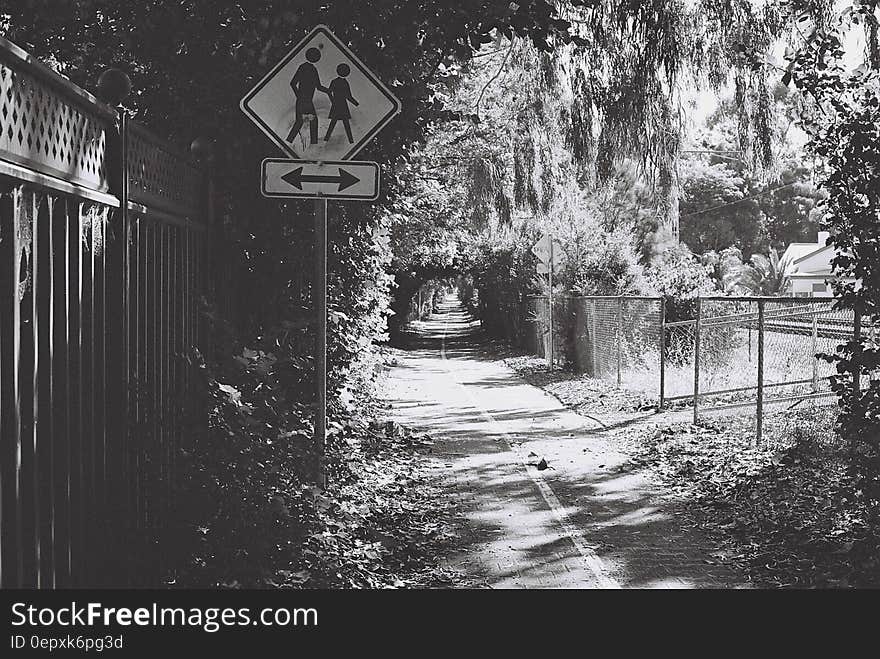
<point>509,537</point>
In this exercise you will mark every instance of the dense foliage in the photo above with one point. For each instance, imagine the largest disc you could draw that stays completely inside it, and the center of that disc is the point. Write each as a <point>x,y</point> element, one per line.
<point>844,124</point>
<point>585,140</point>
<point>253,517</point>
<point>680,278</point>
<point>727,203</point>
<point>190,61</point>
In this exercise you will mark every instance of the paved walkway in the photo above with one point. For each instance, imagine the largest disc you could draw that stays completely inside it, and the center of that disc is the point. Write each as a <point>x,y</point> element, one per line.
<point>582,522</point>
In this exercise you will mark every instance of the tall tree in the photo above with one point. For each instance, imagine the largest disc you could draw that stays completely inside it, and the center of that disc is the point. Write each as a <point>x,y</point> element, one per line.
<point>191,61</point>
<point>717,210</point>
<point>728,203</point>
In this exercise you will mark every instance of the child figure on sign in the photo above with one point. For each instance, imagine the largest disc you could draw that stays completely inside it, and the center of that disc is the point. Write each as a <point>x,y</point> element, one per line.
<point>340,96</point>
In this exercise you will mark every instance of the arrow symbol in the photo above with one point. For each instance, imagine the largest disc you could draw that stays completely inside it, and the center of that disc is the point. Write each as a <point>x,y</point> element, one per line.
<point>296,178</point>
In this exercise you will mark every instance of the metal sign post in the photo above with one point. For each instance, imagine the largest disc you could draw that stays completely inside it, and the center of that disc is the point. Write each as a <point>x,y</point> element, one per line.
<point>320,84</point>
<point>545,250</point>
<point>550,297</point>
<point>320,299</point>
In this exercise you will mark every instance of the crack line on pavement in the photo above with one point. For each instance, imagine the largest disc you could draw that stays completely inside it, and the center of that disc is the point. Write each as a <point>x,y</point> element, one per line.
<point>592,561</point>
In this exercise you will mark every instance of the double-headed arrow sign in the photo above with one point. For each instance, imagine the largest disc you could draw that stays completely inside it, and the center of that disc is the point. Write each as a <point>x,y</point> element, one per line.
<point>296,178</point>
<point>346,179</point>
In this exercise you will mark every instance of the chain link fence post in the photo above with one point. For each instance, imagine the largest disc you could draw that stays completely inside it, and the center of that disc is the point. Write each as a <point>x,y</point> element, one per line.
<point>857,368</point>
<point>815,350</point>
<point>857,337</point>
<point>619,338</point>
<point>662,353</point>
<point>697,360</point>
<point>759,407</point>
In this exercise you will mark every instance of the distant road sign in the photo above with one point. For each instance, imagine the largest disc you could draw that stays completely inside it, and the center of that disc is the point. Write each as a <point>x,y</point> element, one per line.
<point>320,102</point>
<point>341,179</point>
<point>541,249</point>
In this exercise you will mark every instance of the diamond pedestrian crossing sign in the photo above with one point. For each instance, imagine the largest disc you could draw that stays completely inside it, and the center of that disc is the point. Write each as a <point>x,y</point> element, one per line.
<point>320,102</point>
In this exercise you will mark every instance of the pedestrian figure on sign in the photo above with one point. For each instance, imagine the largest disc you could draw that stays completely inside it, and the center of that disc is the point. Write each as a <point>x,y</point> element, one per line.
<point>305,83</point>
<point>340,96</point>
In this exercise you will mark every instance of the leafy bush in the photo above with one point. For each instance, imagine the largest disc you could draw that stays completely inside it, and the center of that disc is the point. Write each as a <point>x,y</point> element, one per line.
<point>679,277</point>
<point>853,215</point>
<point>249,504</point>
<point>602,263</point>
<point>359,295</point>
<point>464,284</point>
<point>246,512</point>
<point>251,516</point>
<point>502,274</point>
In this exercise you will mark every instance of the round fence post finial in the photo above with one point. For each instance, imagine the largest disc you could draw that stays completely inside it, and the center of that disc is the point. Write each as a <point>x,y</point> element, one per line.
<point>114,86</point>
<point>202,149</point>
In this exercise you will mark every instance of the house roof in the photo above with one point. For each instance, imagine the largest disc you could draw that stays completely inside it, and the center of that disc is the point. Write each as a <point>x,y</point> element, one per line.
<point>813,252</point>
<point>797,251</point>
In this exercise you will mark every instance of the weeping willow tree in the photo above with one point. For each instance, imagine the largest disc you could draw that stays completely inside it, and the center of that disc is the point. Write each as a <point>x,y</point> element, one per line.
<point>620,90</point>
<point>538,131</point>
<point>541,118</point>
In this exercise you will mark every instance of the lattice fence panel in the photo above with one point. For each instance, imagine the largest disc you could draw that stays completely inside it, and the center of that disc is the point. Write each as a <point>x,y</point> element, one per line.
<point>45,130</point>
<point>160,176</point>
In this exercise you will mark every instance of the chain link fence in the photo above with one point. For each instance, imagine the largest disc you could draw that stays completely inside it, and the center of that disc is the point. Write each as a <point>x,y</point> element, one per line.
<point>609,337</point>
<point>744,355</point>
<point>755,355</point>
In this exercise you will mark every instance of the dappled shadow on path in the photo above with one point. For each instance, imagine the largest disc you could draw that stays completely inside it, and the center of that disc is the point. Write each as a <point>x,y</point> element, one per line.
<point>452,386</point>
<point>454,329</point>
